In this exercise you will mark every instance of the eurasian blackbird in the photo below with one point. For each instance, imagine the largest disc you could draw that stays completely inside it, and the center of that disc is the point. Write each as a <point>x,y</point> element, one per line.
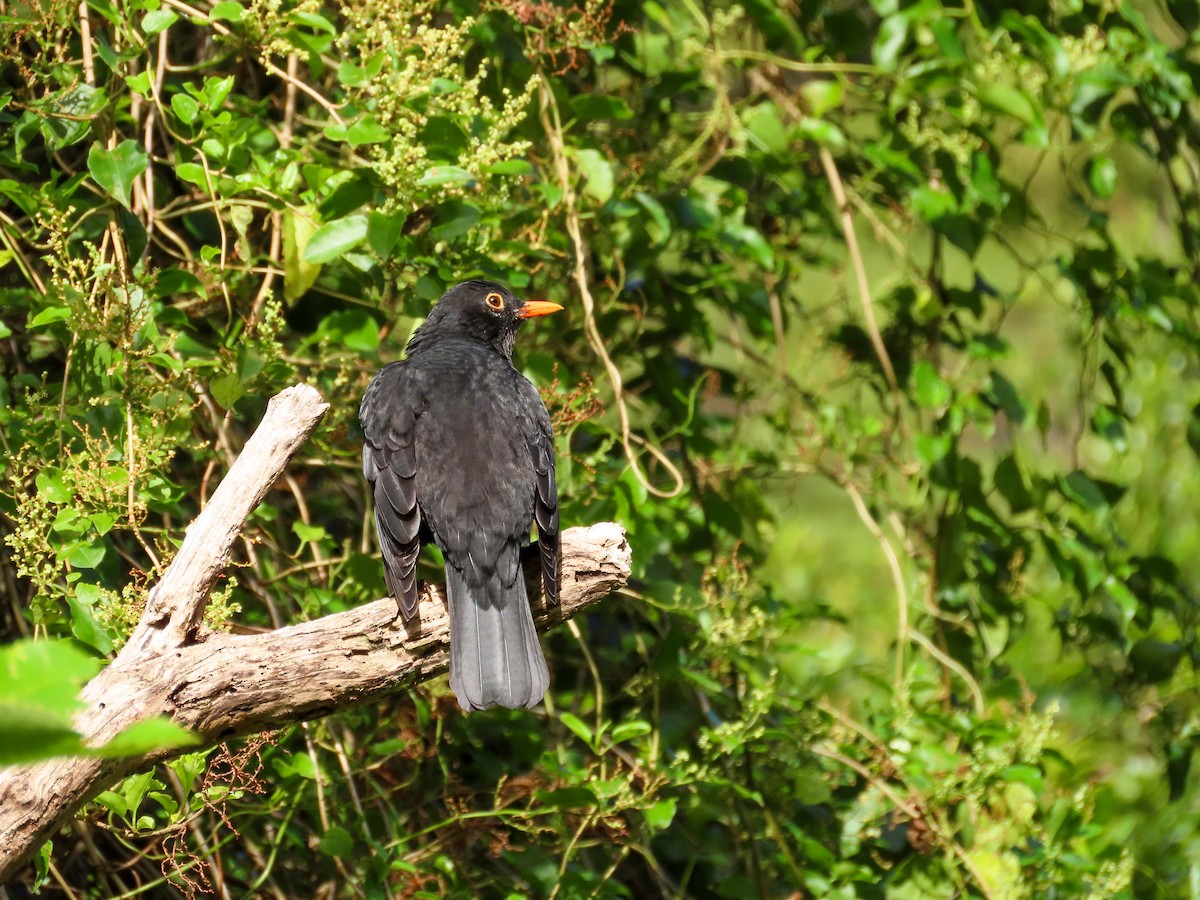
<point>459,451</point>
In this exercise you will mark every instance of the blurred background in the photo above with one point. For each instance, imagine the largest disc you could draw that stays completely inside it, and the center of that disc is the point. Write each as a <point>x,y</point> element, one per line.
<point>880,341</point>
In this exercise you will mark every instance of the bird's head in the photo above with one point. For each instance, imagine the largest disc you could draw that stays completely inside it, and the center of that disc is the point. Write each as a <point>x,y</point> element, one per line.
<point>483,311</point>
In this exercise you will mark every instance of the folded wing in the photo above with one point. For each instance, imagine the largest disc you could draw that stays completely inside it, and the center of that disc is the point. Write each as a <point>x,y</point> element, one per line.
<point>390,465</point>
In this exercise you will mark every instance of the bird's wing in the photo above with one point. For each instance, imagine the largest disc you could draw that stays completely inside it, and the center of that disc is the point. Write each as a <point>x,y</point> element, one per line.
<point>545,501</point>
<point>390,465</point>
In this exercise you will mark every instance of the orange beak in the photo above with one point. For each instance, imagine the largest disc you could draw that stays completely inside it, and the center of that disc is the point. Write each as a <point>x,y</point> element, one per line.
<point>534,308</point>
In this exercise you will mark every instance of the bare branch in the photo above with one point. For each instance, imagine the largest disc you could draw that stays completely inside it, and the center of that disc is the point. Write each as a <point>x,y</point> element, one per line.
<point>176,604</point>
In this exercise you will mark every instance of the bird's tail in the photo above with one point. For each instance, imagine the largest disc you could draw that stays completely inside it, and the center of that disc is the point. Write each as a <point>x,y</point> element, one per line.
<point>495,657</point>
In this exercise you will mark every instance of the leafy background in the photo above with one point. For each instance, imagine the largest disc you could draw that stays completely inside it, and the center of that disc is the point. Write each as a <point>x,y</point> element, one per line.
<point>881,342</point>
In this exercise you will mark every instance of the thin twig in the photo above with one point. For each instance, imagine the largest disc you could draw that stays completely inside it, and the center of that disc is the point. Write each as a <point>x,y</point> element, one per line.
<point>860,272</point>
<point>897,577</point>
<point>953,665</point>
<point>85,41</point>
<point>553,128</point>
<point>906,633</point>
<point>809,68</point>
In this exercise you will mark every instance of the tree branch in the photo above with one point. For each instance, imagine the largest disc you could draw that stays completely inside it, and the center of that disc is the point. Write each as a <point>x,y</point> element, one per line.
<point>223,685</point>
<point>175,605</point>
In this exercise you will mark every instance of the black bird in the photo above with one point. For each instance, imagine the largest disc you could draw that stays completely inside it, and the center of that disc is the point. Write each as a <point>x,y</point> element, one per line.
<point>459,451</point>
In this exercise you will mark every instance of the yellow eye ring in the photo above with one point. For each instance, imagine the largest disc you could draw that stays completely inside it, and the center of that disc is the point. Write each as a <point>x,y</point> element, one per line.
<point>494,300</point>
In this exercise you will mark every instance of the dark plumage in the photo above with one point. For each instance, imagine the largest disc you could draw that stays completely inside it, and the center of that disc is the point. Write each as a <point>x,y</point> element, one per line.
<point>459,451</point>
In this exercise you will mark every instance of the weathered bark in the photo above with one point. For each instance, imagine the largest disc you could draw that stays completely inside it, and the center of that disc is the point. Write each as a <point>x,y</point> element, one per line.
<point>222,685</point>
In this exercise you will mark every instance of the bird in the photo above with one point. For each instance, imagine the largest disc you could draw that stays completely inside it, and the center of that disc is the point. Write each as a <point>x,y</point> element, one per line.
<point>459,451</point>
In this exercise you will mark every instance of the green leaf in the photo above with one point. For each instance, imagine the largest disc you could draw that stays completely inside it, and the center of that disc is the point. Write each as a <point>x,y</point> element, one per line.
<point>227,389</point>
<point>49,315</point>
<point>139,83</point>
<point>438,175</point>
<point>84,624</point>
<point>352,329</point>
<point>984,183</point>
<point>627,731</point>
<point>932,204</point>
<point>765,128</point>
<point>158,20</point>
<point>298,274</point>
<point>115,170</point>
<point>185,107</point>
<point>351,75</point>
<point>820,131</point>
<point>336,841</point>
<point>749,240</point>
<point>823,95</point>
<point>299,764</point>
<point>576,725</point>
<point>69,521</point>
<point>1155,661</point>
<point>383,231</point>
<point>443,138</point>
<point>593,107</point>
<point>1009,480</point>
<point>309,533</point>
<point>29,733</point>
<point>227,11</point>
<point>1102,176</point>
<point>455,218</point>
<point>103,522</point>
<point>148,735</point>
<point>659,226</point>
<point>113,802</point>
<point>194,174</point>
<point>890,40</point>
<point>315,21</point>
<point>84,555</point>
<point>930,390</point>
<point>348,196</point>
<point>78,106</point>
<point>1081,489</point>
<point>41,866</point>
<point>53,485</point>
<point>1010,101</point>
<point>576,797</point>
<point>39,690</point>
<point>134,788</point>
<point>510,167</point>
<point>598,172</point>
<point>1004,394</point>
<point>335,238</point>
<point>931,448</point>
<point>45,673</point>
<point>242,216</point>
<point>367,131</point>
<point>216,90</point>
<point>660,816</point>
<point>168,803</point>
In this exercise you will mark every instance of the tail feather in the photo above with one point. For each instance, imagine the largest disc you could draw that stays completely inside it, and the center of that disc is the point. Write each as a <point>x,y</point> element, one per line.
<point>495,656</point>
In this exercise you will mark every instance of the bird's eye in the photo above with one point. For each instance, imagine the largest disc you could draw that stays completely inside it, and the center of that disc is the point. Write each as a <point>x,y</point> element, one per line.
<point>494,300</point>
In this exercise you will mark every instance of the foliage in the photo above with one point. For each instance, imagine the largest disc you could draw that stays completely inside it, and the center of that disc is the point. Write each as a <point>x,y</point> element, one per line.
<point>882,343</point>
<point>40,681</point>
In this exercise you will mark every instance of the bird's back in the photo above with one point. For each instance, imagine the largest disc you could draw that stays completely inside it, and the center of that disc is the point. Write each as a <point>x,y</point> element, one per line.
<point>475,478</point>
